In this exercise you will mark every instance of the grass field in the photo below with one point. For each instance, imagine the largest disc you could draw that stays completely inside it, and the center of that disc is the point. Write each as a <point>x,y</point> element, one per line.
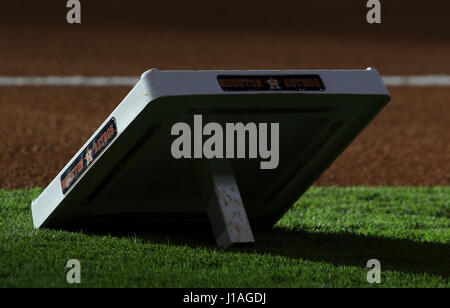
<point>325,240</point>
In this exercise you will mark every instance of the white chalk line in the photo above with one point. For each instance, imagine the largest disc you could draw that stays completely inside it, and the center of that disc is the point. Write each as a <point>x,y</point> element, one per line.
<point>417,80</point>
<point>68,81</point>
<point>114,81</point>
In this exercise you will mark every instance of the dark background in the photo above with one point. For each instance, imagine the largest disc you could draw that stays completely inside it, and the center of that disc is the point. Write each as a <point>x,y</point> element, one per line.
<point>123,37</point>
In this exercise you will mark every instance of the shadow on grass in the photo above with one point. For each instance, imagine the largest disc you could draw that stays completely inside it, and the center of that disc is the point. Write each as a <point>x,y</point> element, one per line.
<point>352,249</point>
<point>336,248</point>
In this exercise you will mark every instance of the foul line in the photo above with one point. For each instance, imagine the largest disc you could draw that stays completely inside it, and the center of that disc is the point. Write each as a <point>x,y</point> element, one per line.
<point>417,80</point>
<point>411,80</point>
<point>68,81</point>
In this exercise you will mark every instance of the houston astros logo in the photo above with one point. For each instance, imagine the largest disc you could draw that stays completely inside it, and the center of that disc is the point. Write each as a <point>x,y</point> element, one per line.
<point>274,84</point>
<point>88,156</point>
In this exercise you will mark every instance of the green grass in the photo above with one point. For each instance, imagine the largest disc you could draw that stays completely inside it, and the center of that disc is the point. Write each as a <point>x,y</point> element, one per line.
<point>325,240</point>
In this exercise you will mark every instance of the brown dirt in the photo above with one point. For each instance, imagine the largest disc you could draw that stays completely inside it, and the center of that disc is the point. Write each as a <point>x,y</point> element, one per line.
<point>42,127</point>
<point>118,51</point>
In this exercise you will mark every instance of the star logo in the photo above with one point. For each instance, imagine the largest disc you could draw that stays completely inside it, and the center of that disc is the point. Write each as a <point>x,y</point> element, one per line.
<point>88,157</point>
<point>274,84</point>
